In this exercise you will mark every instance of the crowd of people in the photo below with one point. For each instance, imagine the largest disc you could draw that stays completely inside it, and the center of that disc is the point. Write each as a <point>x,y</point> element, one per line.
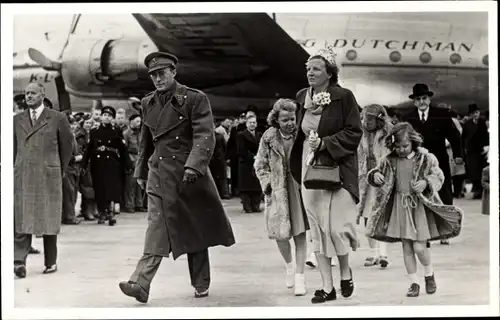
<point>321,164</point>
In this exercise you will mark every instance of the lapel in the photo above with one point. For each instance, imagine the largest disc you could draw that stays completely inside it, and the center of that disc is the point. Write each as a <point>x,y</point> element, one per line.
<point>276,143</point>
<point>250,136</point>
<point>162,119</point>
<point>323,125</point>
<point>41,122</point>
<point>25,121</point>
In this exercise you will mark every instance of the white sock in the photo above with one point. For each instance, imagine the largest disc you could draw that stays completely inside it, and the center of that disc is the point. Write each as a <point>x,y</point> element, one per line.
<point>428,270</point>
<point>413,278</point>
<point>290,266</point>
<point>382,247</point>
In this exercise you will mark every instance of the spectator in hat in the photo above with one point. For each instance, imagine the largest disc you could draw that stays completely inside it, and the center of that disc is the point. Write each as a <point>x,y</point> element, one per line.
<point>475,137</point>
<point>436,126</point>
<point>109,162</point>
<point>133,192</point>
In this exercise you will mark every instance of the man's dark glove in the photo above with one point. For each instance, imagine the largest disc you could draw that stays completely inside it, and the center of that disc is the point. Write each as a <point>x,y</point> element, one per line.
<point>190,176</point>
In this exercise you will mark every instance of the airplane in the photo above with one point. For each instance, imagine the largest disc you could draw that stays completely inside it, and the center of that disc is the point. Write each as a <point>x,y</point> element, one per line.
<point>253,58</point>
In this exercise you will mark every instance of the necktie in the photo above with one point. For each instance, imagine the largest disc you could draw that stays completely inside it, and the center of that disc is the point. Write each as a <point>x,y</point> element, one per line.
<point>422,118</point>
<point>33,117</point>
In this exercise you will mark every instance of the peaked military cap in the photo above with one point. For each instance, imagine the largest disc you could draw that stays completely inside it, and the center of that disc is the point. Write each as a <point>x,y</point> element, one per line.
<point>160,60</point>
<point>109,110</point>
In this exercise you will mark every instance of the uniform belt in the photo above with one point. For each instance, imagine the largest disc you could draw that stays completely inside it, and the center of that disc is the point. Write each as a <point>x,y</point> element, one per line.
<point>104,148</point>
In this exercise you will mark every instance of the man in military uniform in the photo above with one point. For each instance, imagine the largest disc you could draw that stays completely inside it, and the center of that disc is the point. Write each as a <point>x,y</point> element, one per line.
<point>185,213</point>
<point>109,162</point>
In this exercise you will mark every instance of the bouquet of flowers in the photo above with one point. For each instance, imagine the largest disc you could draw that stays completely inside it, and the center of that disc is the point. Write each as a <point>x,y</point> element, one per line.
<point>321,99</point>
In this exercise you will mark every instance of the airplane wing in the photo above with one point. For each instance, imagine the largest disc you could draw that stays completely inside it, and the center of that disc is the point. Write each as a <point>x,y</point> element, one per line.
<point>235,54</point>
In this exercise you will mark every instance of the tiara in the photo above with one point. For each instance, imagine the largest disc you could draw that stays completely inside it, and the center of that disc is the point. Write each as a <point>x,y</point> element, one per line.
<point>328,54</point>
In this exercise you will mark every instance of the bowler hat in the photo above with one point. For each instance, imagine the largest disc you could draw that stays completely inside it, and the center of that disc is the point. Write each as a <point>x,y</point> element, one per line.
<point>160,60</point>
<point>473,108</point>
<point>420,89</point>
<point>109,110</point>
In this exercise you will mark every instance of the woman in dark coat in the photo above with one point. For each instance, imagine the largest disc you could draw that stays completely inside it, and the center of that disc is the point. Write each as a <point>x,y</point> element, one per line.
<point>109,161</point>
<point>247,143</point>
<point>330,127</point>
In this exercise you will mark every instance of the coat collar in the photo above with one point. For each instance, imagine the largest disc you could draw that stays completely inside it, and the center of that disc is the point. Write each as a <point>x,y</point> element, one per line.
<point>333,90</point>
<point>41,122</point>
<point>273,138</point>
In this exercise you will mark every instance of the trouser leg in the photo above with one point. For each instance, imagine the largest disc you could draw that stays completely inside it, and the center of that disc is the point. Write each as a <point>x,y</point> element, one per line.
<point>50,250</point>
<point>199,269</point>
<point>138,195</point>
<point>22,246</point>
<point>246,199</point>
<point>69,200</point>
<point>146,270</point>
<point>129,191</point>
<point>445,193</point>
<point>256,199</point>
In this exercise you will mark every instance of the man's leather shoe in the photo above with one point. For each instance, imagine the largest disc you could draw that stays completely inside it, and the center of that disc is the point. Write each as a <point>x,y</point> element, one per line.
<point>20,270</point>
<point>200,293</point>
<point>140,209</point>
<point>72,222</point>
<point>51,269</point>
<point>134,290</point>
<point>34,251</point>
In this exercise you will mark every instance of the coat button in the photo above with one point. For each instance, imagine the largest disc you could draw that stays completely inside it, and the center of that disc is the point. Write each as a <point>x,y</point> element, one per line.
<point>173,157</point>
<point>157,185</point>
<point>160,158</point>
<point>109,141</point>
<point>107,157</point>
<point>180,117</point>
<point>177,138</point>
<point>98,156</point>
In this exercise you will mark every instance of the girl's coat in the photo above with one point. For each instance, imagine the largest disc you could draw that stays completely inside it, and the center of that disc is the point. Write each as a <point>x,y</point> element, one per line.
<point>448,218</point>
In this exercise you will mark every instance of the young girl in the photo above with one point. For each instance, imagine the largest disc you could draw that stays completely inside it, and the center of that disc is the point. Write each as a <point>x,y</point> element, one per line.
<point>376,125</point>
<point>407,206</point>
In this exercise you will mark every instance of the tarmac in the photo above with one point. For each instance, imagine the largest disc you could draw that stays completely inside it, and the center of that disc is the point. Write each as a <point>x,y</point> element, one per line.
<point>94,258</point>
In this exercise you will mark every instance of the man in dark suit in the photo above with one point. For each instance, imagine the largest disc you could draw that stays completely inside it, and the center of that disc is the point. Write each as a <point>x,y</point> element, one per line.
<point>436,126</point>
<point>249,185</point>
<point>475,137</point>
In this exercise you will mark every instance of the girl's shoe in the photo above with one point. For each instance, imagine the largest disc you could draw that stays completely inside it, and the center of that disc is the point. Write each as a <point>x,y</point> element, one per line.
<point>371,261</point>
<point>347,286</point>
<point>414,290</point>
<point>300,284</point>
<point>290,277</point>
<point>321,296</point>
<point>383,262</point>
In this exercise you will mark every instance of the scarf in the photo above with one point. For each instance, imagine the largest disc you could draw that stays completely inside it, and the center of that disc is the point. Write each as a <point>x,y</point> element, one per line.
<point>309,105</point>
<point>371,161</point>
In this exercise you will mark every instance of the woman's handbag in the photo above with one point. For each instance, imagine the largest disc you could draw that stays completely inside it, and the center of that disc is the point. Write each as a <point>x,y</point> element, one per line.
<point>322,176</point>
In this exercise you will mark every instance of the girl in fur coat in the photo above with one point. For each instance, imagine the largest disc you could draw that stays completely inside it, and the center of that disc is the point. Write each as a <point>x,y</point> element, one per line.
<point>407,206</point>
<point>376,125</point>
<point>285,215</point>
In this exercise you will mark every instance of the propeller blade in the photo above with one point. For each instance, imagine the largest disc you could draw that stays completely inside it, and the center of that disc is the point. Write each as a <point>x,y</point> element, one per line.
<point>43,61</point>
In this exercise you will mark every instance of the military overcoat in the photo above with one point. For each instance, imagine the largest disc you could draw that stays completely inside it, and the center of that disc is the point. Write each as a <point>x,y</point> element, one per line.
<point>179,134</point>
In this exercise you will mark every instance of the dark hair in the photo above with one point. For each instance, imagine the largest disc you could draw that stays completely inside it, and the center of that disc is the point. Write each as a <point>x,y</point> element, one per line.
<point>399,132</point>
<point>331,69</point>
<point>280,105</point>
<point>132,117</point>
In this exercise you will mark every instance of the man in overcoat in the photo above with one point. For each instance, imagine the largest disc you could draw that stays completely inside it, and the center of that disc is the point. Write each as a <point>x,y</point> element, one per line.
<point>436,126</point>
<point>43,146</point>
<point>247,144</point>
<point>475,137</point>
<point>185,213</point>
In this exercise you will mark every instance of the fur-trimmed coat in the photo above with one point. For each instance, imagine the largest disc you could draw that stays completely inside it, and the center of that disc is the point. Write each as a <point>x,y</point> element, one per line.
<point>271,167</point>
<point>448,217</point>
<point>377,141</point>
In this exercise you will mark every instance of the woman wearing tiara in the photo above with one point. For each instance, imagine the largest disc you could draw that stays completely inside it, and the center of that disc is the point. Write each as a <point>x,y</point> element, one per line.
<point>330,127</point>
